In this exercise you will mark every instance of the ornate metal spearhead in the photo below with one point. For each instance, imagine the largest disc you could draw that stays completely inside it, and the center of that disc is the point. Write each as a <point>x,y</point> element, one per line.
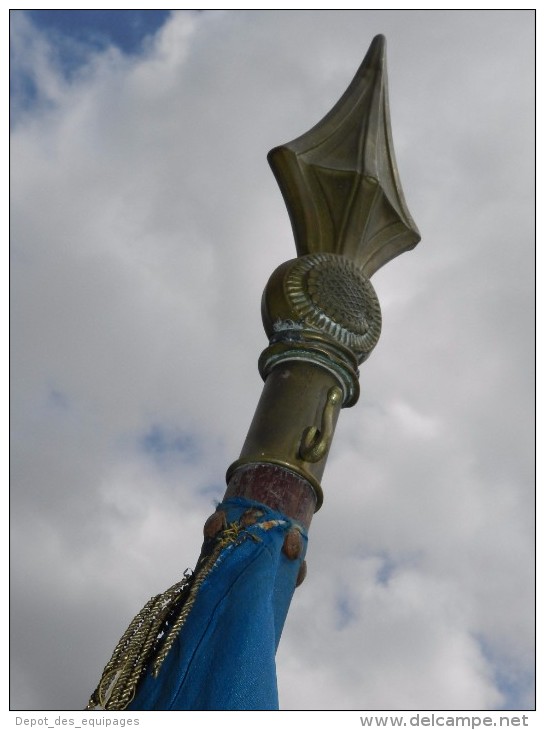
<point>340,180</point>
<point>320,311</point>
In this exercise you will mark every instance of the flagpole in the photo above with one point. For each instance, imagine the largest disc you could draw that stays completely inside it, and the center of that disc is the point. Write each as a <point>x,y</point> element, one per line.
<point>320,311</point>
<point>209,641</point>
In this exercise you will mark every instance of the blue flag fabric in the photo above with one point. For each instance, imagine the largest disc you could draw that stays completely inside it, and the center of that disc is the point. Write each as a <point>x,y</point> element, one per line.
<point>223,657</point>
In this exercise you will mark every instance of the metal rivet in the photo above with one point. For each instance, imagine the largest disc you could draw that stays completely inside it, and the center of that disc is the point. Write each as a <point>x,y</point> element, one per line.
<point>250,517</point>
<point>214,524</point>
<point>302,574</point>
<point>293,544</point>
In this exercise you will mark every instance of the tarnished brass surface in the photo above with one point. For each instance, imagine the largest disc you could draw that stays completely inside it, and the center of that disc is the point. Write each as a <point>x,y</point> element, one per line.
<point>325,293</point>
<point>295,344</point>
<point>320,311</point>
<point>340,180</point>
<point>293,399</point>
<point>315,441</point>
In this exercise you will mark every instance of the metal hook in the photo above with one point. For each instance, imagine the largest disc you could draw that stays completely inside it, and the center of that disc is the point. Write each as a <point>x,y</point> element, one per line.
<point>315,442</point>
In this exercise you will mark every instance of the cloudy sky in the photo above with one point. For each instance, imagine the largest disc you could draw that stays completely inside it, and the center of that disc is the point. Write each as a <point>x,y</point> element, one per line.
<point>145,223</point>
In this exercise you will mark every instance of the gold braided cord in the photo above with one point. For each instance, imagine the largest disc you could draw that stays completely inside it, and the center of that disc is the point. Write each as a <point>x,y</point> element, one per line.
<point>188,605</point>
<point>121,674</point>
<point>131,657</point>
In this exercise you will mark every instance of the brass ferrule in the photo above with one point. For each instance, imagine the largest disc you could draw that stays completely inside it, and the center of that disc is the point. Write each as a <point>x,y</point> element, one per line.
<point>320,311</point>
<point>322,318</point>
<point>296,344</point>
<point>294,422</point>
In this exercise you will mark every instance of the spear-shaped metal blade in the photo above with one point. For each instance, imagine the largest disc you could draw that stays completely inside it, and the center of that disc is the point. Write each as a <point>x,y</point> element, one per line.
<point>340,180</point>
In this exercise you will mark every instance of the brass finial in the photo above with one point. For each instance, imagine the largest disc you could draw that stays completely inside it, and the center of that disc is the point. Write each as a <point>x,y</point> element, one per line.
<point>320,311</point>
<point>340,180</point>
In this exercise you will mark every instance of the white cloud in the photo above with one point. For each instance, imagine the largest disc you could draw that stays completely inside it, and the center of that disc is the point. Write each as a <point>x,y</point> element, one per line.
<point>145,223</point>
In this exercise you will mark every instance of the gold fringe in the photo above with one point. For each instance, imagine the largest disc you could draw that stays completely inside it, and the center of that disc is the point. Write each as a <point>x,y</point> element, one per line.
<point>131,657</point>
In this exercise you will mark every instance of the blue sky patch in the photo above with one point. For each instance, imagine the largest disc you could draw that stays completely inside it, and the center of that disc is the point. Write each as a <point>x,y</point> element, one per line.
<point>125,29</point>
<point>58,400</point>
<point>345,611</point>
<point>386,570</point>
<point>74,36</point>
<point>510,681</point>
<point>163,444</point>
<point>388,564</point>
